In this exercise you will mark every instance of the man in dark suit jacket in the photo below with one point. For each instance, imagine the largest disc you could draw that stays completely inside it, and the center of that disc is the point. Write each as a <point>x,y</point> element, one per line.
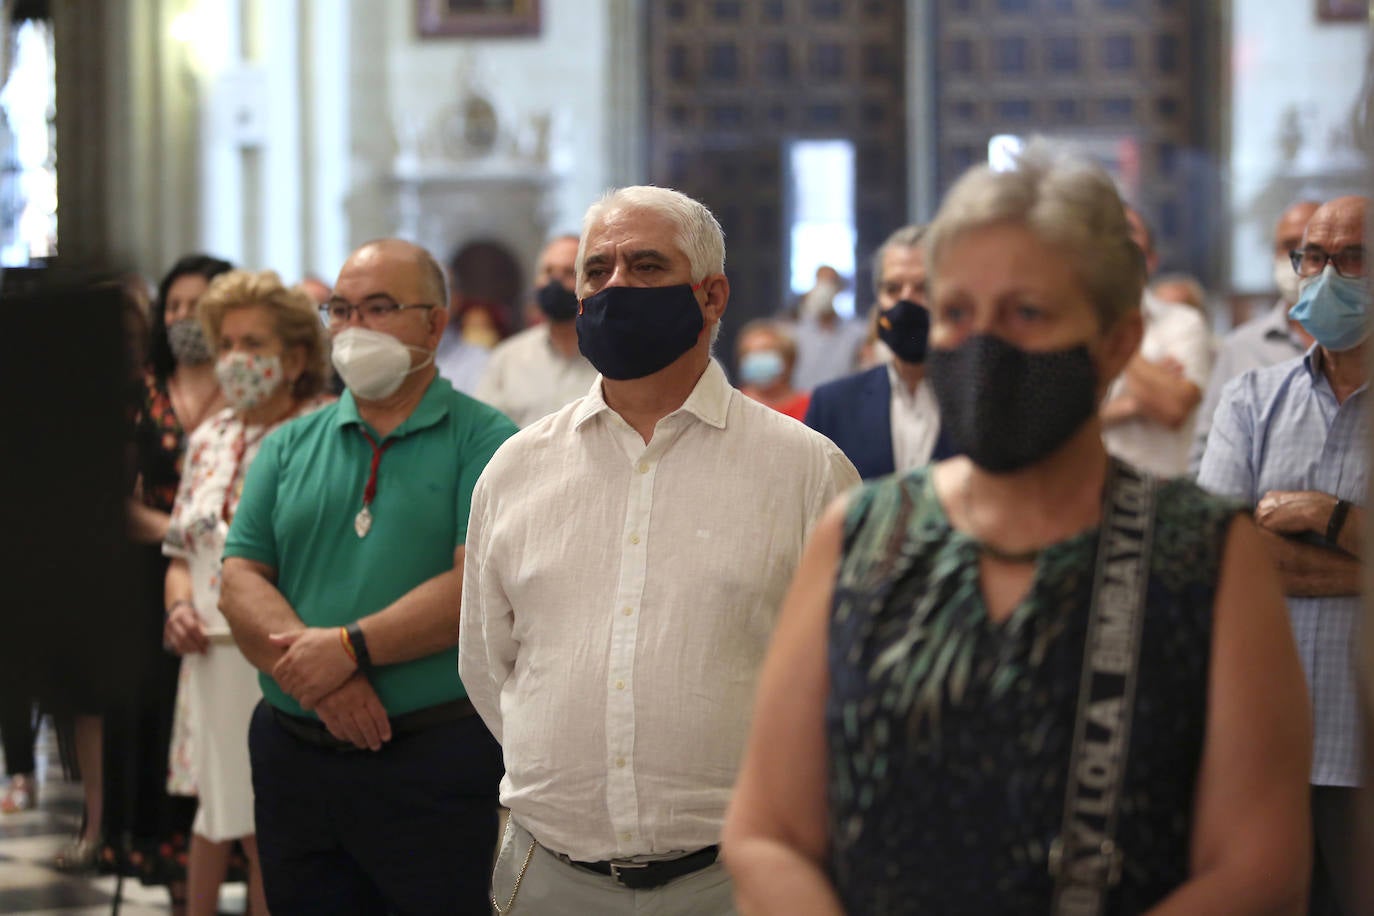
<point>858,412</point>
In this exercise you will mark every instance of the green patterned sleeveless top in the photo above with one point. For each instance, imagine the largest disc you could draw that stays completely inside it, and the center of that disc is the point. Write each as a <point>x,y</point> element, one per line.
<point>948,734</point>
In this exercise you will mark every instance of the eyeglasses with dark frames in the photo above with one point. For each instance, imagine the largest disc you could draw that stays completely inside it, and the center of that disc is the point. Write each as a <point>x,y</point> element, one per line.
<point>337,311</point>
<point>1312,260</point>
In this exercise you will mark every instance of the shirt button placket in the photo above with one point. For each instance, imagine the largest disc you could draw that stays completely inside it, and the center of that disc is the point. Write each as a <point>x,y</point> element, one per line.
<point>641,489</point>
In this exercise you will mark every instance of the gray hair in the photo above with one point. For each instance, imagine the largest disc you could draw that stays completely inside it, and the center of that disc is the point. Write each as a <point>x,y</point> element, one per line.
<point>698,234</point>
<point>1067,201</point>
<point>905,237</point>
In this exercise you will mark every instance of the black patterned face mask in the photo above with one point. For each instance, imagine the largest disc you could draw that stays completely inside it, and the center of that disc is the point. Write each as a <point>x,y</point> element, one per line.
<point>1007,408</point>
<point>188,343</point>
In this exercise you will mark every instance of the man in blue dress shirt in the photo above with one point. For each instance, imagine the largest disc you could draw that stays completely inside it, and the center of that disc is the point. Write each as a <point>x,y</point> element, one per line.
<point>1291,441</point>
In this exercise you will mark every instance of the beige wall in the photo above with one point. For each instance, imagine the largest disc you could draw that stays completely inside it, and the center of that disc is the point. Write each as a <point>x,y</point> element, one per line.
<point>401,86</point>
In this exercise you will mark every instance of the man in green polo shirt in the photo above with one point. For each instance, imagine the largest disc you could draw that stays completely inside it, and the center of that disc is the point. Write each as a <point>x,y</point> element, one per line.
<point>375,785</point>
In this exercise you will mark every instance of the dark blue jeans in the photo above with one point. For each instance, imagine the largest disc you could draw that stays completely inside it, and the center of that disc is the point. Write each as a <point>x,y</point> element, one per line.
<point>409,829</point>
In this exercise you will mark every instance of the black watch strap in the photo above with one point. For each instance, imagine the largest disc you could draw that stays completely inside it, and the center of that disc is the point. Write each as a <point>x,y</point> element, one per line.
<point>359,642</point>
<point>1337,522</point>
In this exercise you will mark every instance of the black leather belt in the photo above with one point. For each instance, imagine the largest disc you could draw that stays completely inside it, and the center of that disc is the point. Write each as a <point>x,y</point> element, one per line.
<point>644,875</point>
<point>314,732</point>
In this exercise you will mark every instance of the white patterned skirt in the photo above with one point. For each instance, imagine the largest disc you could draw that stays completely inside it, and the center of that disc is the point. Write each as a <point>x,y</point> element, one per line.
<point>222,689</point>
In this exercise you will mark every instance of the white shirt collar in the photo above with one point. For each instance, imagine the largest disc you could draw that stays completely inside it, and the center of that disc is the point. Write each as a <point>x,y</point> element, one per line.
<point>709,401</point>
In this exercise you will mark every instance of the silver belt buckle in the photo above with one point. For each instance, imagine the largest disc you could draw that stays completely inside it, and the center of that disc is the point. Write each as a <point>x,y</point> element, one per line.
<point>617,867</point>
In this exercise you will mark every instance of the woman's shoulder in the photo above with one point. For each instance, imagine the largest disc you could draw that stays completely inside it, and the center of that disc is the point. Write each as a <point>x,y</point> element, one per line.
<point>897,505</point>
<point>1183,502</point>
<point>888,492</point>
<point>1191,527</point>
<point>215,427</point>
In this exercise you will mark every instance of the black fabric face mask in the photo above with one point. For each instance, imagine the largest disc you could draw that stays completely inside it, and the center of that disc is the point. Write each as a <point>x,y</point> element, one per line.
<point>905,328</point>
<point>557,301</point>
<point>628,332</point>
<point>1007,408</point>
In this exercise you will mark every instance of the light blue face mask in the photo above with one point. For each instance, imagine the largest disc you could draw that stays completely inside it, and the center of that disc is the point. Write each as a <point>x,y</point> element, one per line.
<point>760,367</point>
<point>1332,309</point>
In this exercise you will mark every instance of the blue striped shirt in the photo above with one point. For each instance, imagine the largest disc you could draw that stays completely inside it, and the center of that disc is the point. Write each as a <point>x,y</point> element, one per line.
<point>1280,428</point>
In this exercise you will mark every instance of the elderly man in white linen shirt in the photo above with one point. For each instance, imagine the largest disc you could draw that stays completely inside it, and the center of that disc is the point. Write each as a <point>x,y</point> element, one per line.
<point>626,558</point>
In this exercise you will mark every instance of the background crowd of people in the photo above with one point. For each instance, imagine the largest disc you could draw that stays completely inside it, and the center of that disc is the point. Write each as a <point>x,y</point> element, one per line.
<point>319,478</point>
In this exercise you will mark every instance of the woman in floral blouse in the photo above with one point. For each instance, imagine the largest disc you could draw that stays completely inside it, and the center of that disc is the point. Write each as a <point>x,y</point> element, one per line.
<point>270,361</point>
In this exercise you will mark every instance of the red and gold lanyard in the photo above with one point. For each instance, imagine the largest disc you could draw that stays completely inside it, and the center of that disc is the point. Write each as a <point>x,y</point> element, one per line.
<point>231,494</point>
<point>362,524</point>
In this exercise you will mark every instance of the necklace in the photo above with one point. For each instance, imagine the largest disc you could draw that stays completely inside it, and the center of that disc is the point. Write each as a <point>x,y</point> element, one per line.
<point>232,493</point>
<point>992,551</point>
<point>1007,556</point>
<point>362,523</point>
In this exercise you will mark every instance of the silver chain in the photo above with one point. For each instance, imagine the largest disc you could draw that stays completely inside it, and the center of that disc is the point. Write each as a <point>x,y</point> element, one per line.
<point>503,910</point>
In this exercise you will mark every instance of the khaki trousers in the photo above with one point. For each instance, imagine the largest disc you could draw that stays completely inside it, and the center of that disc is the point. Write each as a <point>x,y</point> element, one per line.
<point>552,887</point>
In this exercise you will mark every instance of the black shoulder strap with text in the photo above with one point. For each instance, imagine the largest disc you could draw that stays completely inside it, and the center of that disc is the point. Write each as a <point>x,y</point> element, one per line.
<point>1084,859</point>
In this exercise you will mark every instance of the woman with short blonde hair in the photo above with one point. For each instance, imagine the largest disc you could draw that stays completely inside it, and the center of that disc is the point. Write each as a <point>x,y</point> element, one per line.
<point>269,350</point>
<point>295,318</point>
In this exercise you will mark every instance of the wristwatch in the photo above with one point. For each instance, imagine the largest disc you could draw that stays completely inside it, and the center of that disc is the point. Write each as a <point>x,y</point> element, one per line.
<point>359,643</point>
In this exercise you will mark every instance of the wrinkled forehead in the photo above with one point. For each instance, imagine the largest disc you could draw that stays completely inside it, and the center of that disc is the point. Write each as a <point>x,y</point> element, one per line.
<point>1337,225</point>
<point>631,229</point>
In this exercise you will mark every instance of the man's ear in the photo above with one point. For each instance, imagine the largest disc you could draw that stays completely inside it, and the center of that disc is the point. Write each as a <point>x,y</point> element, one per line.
<point>438,320</point>
<point>717,290</point>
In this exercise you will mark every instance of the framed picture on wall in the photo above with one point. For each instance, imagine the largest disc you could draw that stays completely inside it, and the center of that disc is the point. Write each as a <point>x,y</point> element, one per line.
<point>1342,10</point>
<point>448,18</point>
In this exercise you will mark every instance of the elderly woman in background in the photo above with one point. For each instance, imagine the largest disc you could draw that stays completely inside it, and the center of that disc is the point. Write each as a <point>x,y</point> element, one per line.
<point>181,391</point>
<point>270,361</point>
<point>947,657</point>
<point>767,354</point>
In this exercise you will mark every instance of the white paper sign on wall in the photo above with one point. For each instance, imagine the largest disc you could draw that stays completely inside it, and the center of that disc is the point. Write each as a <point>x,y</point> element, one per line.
<point>242,99</point>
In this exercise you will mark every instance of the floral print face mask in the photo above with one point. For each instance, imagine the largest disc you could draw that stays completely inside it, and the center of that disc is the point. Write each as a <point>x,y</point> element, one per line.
<point>248,379</point>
